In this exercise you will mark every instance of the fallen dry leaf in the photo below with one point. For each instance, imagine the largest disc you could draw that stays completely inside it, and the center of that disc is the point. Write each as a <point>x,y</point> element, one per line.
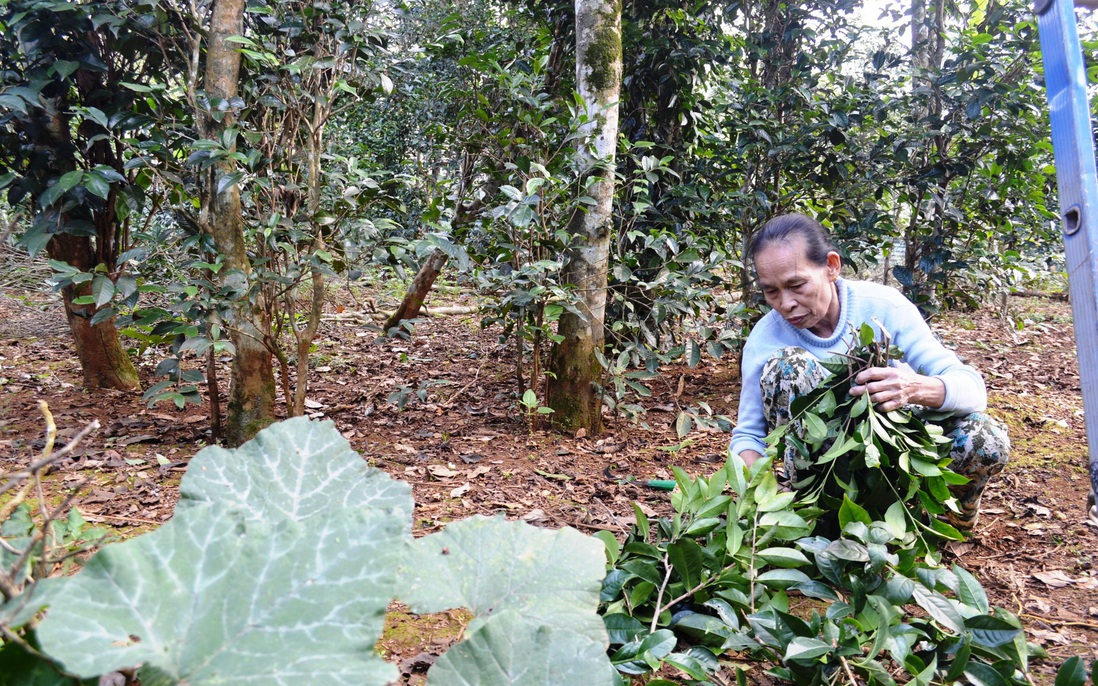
<point>959,548</point>
<point>1039,510</point>
<point>442,472</point>
<point>1048,636</point>
<point>1038,605</point>
<point>461,490</point>
<point>1055,578</point>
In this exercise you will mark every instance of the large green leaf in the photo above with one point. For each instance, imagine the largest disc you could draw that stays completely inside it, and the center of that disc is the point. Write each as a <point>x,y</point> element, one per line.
<point>22,608</point>
<point>217,597</point>
<point>298,469</point>
<point>510,649</point>
<point>489,565</point>
<point>534,593</point>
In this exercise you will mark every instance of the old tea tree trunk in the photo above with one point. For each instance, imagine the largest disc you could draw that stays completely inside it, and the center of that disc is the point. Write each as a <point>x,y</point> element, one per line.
<point>102,358</point>
<point>252,390</point>
<point>575,371</point>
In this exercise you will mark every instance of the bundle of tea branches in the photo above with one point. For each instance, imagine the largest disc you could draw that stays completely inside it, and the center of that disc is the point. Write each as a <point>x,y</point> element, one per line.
<point>844,446</point>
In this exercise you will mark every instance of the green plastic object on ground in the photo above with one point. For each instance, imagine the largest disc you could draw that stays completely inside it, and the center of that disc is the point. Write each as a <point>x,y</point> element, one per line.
<point>661,484</point>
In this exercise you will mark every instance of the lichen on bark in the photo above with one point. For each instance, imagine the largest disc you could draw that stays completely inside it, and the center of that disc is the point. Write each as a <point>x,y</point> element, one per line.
<point>603,55</point>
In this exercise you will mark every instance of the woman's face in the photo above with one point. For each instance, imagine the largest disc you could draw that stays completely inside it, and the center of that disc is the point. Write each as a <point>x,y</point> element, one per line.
<point>803,293</point>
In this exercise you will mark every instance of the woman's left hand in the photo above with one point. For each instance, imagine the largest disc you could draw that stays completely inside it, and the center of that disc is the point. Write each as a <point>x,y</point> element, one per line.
<point>890,388</point>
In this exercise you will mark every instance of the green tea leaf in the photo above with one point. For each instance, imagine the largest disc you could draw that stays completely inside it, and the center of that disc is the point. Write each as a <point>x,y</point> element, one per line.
<point>925,468</point>
<point>613,546</point>
<point>642,521</point>
<point>777,501</point>
<point>736,470</point>
<point>860,406</point>
<point>850,511</point>
<point>848,550</point>
<point>782,557</point>
<point>102,289</point>
<point>622,628</point>
<point>783,578</point>
<point>866,335</point>
<point>896,519</point>
<point>817,430</point>
<point>872,455</point>
<point>803,648</point>
<point>980,674</point>
<point>1072,673</point>
<point>969,590</point>
<point>939,607</point>
<point>990,632</point>
<point>686,558</point>
<point>960,662</point>
<point>841,446</point>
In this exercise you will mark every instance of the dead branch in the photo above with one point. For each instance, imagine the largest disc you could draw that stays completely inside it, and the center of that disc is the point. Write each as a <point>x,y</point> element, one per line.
<point>1062,297</point>
<point>371,317</point>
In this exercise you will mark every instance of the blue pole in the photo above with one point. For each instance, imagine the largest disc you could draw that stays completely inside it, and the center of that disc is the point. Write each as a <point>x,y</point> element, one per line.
<point>1073,146</point>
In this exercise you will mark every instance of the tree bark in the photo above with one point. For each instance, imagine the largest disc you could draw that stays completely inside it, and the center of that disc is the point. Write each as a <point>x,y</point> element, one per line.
<point>417,292</point>
<point>572,387</point>
<point>103,360</point>
<point>252,385</point>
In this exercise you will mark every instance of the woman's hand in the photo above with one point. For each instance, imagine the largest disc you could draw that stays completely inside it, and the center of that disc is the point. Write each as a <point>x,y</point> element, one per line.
<point>749,456</point>
<point>890,388</point>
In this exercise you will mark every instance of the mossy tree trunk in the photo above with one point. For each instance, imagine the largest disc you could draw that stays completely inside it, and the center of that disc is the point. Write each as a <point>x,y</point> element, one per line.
<point>252,388</point>
<point>102,358</point>
<point>572,386</point>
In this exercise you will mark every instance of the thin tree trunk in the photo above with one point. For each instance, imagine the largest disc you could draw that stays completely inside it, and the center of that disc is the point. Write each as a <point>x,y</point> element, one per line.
<point>103,360</point>
<point>306,336</point>
<point>572,389</point>
<point>215,395</point>
<point>425,278</point>
<point>252,386</point>
<point>417,292</point>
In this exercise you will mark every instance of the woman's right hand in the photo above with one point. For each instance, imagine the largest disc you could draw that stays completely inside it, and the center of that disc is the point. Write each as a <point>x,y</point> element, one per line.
<point>749,456</point>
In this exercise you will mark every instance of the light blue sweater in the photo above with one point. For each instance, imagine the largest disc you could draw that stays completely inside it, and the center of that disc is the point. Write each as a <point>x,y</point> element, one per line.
<point>859,302</point>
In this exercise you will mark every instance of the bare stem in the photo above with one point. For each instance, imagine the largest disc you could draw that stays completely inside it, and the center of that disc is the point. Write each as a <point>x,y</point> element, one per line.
<point>659,596</point>
<point>849,674</point>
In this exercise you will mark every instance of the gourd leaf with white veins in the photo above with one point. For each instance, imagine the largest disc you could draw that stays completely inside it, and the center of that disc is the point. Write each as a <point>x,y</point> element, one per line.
<point>297,468</point>
<point>534,593</point>
<point>510,649</point>
<point>217,597</point>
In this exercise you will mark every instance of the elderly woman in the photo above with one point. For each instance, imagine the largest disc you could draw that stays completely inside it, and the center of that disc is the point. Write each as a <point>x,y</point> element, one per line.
<point>815,314</point>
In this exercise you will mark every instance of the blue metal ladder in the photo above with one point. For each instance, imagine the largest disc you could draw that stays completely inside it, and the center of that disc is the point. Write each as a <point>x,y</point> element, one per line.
<point>1073,146</point>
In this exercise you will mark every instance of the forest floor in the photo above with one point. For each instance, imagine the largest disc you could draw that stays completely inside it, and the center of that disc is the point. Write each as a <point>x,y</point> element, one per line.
<point>468,448</point>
